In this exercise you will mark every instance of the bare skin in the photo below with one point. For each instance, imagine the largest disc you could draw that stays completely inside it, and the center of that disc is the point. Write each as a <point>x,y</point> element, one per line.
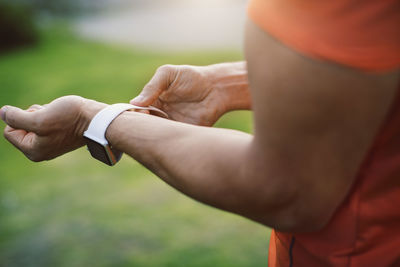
<point>314,122</point>
<point>197,95</point>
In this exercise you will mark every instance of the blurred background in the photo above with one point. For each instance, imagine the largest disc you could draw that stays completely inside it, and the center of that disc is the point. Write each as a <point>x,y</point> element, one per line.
<point>75,211</point>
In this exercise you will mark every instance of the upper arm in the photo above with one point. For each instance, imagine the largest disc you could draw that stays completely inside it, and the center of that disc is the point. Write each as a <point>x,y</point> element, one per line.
<point>314,122</point>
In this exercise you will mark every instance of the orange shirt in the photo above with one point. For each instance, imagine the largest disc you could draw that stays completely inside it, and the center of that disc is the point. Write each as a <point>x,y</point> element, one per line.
<point>363,34</point>
<point>360,33</point>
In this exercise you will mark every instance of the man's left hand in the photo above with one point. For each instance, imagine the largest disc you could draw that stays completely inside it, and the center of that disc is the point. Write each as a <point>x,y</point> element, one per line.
<point>46,132</point>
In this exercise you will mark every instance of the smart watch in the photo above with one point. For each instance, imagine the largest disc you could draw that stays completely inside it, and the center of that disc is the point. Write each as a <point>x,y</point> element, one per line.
<point>95,135</point>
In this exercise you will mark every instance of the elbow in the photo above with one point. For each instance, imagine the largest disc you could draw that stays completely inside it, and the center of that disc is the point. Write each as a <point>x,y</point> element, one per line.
<point>297,222</point>
<point>300,216</point>
<point>288,208</point>
<point>289,199</point>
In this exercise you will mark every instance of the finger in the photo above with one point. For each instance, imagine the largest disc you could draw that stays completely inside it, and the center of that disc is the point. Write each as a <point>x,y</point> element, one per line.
<point>21,139</point>
<point>20,119</point>
<point>160,82</point>
<point>34,108</point>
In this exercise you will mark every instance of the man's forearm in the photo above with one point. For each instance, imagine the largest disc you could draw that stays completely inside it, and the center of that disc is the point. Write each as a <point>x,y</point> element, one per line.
<point>208,164</point>
<point>201,162</point>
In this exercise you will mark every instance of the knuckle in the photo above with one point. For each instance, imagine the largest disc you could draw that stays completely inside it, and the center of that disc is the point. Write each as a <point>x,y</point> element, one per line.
<point>34,106</point>
<point>186,68</point>
<point>73,99</point>
<point>194,72</point>
<point>165,69</point>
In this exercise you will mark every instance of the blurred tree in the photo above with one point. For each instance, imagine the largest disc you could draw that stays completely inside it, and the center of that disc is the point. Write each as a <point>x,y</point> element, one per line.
<point>53,7</point>
<point>67,8</point>
<point>18,17</point>
<point>17,27</point>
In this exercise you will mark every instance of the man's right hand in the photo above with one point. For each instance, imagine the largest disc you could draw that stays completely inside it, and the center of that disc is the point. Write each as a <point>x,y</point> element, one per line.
<point>197,95</point>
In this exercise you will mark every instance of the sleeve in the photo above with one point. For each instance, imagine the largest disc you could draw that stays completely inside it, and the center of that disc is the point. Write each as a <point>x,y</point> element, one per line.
<point>363,34</point>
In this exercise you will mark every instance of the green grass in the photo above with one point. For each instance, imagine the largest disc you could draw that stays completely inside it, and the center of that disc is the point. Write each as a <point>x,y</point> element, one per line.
<point>73,211</point>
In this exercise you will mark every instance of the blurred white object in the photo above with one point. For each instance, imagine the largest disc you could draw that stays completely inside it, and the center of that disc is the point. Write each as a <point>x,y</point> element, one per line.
<point>170,25</point>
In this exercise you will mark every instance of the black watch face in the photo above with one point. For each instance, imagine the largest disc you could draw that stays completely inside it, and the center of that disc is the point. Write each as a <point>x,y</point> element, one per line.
<point>98,151</point>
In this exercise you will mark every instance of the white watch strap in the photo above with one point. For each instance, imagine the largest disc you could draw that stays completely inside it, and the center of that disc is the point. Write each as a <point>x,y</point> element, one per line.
<point>101,121</point>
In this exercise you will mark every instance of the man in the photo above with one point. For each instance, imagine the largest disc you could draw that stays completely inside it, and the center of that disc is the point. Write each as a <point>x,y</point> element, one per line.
<point>322,167</point>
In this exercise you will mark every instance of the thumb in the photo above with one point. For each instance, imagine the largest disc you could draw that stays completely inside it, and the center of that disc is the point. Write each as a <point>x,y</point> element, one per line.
<point>160,82</point>
<point>19,119</point>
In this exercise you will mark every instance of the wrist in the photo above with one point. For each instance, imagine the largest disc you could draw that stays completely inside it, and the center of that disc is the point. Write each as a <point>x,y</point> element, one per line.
<point>88,109</point>
<point>230,83</point>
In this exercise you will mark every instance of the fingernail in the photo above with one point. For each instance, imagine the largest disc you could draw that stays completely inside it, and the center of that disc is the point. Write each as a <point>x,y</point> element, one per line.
<point>3,111</point>
<point>138,99</point>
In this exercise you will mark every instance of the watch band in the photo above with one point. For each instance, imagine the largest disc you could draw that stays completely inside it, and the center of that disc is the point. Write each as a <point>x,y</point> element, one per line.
<point>101,121</point>
<point>97,143</point>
